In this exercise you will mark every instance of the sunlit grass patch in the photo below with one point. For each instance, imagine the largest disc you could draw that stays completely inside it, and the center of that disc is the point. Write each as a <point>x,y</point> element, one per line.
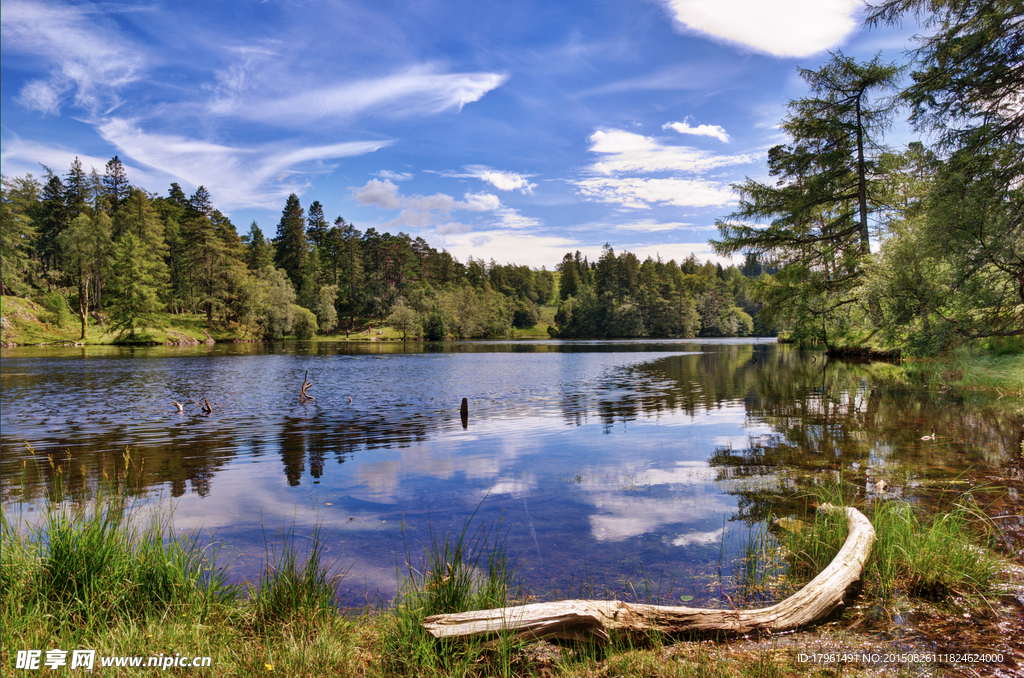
<point>939,556</point>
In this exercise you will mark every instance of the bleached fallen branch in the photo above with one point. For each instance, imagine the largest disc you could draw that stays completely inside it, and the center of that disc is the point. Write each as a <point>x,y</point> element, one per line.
<point>598,619</point>
<point>303,396</point>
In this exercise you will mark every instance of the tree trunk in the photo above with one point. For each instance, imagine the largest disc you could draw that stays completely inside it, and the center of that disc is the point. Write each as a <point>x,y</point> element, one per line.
<point>597,619</point>
<point>83,305</point>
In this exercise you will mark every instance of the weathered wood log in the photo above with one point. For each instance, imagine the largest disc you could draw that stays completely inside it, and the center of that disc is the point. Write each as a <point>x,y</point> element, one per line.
<point>597,619</point>
<point>303,396</point>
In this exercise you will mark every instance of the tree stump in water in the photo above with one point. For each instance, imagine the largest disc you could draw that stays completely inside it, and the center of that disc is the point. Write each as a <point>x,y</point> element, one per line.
<point>597,619</point>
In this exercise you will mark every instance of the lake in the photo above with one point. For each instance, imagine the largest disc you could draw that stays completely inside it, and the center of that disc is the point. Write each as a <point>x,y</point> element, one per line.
<point>612,467</point>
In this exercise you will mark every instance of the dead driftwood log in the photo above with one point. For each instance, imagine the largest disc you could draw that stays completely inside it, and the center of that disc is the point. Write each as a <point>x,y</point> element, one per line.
<point>599,619</point>
<point>303,396</point>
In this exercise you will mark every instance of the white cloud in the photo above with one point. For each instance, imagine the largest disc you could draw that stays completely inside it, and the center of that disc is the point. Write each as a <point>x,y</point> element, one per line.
<point>503,181</point>
<point>86,58</point>
<point>422,211</point>
<point>394,176</point>
<point>509,246</point>
<point>629,152</point>
<point>652,226</point>
<point>236,176</point>
<point>419,90</point>
<point>481,202</point>
<point>511,218</point>
<point>700,130</point>
<point>781,28</point>
<point>677,251</point>
<point>383,194</point>
<point>638,193</point>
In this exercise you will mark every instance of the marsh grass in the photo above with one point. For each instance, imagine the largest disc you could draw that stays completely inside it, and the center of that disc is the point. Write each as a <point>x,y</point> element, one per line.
<point>293,582</point>
<point>947,554</point>
<point>468,570</point>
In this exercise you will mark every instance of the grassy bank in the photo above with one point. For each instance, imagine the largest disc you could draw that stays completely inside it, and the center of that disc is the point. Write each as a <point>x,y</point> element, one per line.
<point>99,574</point>
<point>1002,374</point>
<point>26,322</point>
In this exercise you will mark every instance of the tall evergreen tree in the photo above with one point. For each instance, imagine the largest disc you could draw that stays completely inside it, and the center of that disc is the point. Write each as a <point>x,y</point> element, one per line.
<point>291,248</point>
<point>317,228</point>
<point>115,184</point>
<point>817,212</point>
<point>17,232</point>
<point>54,217</point>
<point>135,290</point>
<point>259,254</point>
<point>77,191</point>
<point>138,217</point>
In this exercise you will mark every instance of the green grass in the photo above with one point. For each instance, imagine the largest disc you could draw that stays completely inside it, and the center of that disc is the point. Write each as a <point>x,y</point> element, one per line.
<point>943,556</point>
<point>29,323</point>
<point>1002,373</point>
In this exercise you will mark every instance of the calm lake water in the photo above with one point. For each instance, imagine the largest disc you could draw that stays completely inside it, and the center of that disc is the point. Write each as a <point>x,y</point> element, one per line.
<point>609,464</point>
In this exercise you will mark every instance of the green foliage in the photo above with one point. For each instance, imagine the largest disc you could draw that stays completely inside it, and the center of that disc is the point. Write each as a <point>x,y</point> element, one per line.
<point>276,303</point>
<point>433,326</point>
<point>525,314</point>
<point>937,557</point>
<point>88,564</point>
<point>404,319</point>
<point>134,286</point>
<point>17,232</point>
<point>323,307</point>
<point>304,324</point>
<point>817,211</point>
<point>57,305</point>
<point>456,573</point>
<point>190,259</point>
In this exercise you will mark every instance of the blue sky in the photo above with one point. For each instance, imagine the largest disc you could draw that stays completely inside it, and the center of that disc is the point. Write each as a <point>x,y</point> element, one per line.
<point>513,131</point>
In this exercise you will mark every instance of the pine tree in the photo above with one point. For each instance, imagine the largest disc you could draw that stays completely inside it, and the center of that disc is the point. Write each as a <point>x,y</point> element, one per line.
<point>17,232</point>
<point>291,249</point>
<point>817,212</point>
<point>259,254</point>
<point>76,196</point>
<point>317,229</point>
<point>54,217</point>
<point>115,184</point>
<point>135,289</point>
<point>137,216</point>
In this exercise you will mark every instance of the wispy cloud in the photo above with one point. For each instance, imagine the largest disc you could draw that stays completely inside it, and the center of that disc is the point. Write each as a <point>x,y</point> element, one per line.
<point>700,130</point>
<point>87,61</point>
<point>652,226</point>
<point>20,156</point>
<point>419,90</point>
<point>781,28</point>
<point>393,176</point>
<point>512,218</point>
<point>235,175</point>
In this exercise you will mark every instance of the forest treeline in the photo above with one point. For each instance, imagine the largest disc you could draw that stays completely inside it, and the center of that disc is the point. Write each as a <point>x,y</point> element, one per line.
<point>850,243</point>
<point>94,245</point>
